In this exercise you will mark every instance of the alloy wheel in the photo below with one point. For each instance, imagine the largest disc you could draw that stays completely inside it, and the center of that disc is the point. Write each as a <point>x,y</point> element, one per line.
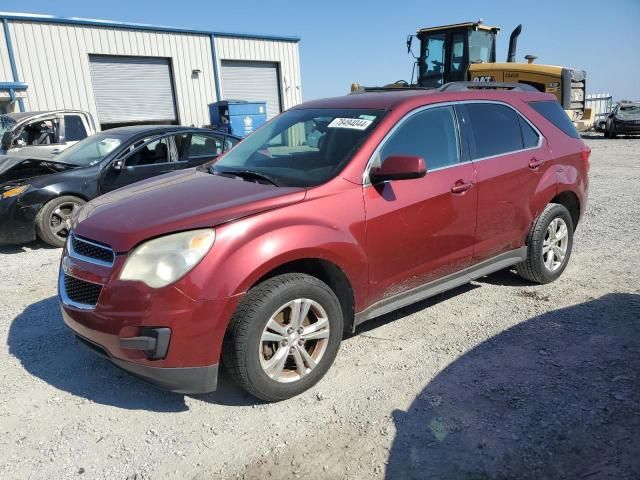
<point>60,219</point>
<point>554,247</point>
<point>294,340</point>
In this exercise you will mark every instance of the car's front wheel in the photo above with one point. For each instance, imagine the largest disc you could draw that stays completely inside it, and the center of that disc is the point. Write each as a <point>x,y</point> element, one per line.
<point>53,219</point>
<point>549,245</point>
<point>284,336</point>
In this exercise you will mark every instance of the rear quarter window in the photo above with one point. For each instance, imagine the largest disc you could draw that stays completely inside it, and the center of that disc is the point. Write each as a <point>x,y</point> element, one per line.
<point>552,111</point>
<point>529,136</point>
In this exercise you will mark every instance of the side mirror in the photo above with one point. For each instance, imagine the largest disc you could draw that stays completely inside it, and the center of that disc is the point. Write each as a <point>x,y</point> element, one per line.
<point>118,165</point>
<point>399,167</point>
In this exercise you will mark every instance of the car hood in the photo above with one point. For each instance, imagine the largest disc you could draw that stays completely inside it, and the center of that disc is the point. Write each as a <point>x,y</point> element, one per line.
<point>30,152</point>
<point>174,202</point>
<point>17,169</point>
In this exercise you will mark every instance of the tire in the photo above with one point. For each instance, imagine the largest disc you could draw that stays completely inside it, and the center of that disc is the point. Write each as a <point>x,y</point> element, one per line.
<point>249,358</point>
<point>536,268</point>
<point>51,219</point>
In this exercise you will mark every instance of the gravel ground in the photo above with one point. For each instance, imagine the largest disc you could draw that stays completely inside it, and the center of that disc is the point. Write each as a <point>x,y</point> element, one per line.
<point>496,379</point>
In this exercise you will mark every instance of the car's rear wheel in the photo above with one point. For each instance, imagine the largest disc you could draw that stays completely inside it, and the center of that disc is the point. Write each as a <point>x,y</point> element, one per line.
<point>53,219</point>
<point>284,336</point>
<point>549,245</point>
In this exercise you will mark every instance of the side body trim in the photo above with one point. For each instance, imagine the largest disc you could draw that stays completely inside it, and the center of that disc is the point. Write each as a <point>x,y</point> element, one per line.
<point>443,284</point>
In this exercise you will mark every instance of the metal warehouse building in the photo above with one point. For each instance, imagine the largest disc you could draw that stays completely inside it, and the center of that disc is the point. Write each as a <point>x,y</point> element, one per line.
<point>126,73</point>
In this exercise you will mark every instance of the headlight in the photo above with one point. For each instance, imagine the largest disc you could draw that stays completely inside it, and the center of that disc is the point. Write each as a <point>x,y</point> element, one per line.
<point>164,260</point>
<point>14,192</point>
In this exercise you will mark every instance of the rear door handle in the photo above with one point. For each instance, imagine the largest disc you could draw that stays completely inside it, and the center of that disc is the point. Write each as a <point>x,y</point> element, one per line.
<point>461,186</point>
<point>535,163</point>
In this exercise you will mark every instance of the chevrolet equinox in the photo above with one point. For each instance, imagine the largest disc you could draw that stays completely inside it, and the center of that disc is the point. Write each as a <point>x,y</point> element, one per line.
<point>335,212</point>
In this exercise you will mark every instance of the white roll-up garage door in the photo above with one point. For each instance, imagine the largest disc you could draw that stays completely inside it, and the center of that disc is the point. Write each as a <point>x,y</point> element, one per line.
<point>253,82</point>
<point>133,89</point>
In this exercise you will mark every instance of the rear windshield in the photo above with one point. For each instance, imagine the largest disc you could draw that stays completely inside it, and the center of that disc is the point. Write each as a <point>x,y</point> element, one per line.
<point>552,111</point>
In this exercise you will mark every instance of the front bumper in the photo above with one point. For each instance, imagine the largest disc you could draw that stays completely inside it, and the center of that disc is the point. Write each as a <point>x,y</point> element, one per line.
<point>126,314</point>
<point>626,128</point>
<point>17,223</point>
<point>186,380</point>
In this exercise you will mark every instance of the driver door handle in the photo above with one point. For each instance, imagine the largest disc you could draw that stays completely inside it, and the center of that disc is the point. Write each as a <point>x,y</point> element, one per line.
<point>461,186</point>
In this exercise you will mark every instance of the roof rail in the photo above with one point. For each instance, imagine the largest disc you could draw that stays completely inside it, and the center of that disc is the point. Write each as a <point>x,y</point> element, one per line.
<point>362,89</point>
<point>467,86</point>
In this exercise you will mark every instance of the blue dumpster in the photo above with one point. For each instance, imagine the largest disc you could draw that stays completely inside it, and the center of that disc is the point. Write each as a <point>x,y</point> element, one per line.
<point>237,117</point>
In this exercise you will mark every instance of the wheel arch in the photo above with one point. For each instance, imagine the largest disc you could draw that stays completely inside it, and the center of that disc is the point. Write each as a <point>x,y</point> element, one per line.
<point>329,273</point>
<point>571,202</point>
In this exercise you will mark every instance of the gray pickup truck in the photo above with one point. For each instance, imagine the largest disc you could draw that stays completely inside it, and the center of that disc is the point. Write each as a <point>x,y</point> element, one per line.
<point>43,134</point>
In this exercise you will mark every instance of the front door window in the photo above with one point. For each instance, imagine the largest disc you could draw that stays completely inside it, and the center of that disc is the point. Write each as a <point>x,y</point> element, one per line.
<point>40,132</point>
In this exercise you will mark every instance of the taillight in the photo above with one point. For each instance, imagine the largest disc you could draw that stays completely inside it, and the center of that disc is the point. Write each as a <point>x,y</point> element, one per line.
<point>585,154</point>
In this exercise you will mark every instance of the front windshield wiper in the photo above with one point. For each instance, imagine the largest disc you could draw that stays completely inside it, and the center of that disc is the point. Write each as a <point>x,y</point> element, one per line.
<point>247,175</point>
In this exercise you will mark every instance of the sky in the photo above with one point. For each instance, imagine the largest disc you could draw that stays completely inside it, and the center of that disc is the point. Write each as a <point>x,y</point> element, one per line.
<point>346,41</point>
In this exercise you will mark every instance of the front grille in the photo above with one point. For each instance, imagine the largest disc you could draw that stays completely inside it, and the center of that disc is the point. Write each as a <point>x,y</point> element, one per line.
<point>79,291</point>
<point>92,250</point>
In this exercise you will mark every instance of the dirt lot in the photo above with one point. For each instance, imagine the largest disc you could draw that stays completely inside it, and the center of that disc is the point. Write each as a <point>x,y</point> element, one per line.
<point>497,379</point>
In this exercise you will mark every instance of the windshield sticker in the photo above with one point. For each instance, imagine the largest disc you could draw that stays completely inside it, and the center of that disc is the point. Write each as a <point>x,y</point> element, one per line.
<point>352,123</point>
<point>368,117</point>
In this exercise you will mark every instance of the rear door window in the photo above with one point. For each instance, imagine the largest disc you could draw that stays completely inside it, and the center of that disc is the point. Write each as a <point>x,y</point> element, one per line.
<point>495,129</point>
<point>552,111</point>
<point>74,128</point>
<point>198,147</point>
<point>431,134</point>
<point>204,146</point>
<point>152,153</point>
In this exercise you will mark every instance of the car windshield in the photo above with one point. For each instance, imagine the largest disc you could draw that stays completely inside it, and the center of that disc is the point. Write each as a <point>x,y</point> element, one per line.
<point>90,151</point>
<point>630,110</point>
<point>301,148</point>
<point>6,124</point>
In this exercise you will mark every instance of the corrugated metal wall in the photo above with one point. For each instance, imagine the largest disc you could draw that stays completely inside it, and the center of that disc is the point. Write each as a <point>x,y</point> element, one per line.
<point>5,64</point>
<point>53,59</point>
<point>286,54</point>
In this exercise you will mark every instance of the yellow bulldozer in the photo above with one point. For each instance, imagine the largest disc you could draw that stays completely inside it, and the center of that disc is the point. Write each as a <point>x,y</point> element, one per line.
<point>467,52</point>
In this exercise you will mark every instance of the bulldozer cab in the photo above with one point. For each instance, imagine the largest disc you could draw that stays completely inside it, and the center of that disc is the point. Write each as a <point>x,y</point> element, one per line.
<point>447,51</point>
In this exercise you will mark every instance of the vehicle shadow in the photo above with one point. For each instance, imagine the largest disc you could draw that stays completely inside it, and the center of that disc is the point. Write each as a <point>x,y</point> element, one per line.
<point>507,278</point>
<point>25,247</point>
<point>47,349</point>
<point>556,396</point>
<point>593,136</point>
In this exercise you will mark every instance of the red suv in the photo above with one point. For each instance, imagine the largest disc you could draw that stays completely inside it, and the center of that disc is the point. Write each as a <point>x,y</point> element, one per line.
<point>333,213</point>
